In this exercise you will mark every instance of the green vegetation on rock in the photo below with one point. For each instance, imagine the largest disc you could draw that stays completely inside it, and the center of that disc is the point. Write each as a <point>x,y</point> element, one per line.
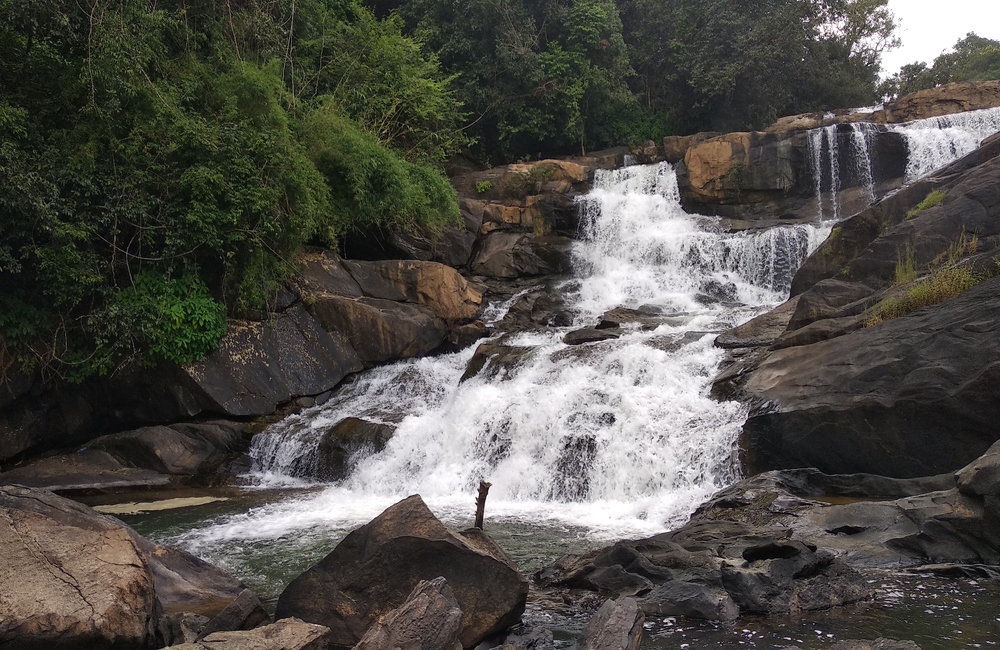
<point>933,199</point>
<point>161,164</point>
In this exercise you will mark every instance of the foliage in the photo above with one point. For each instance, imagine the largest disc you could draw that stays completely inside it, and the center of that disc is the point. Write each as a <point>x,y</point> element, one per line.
<point>158,171</point>
<point>718,65</point>
<point>369,185</point>
<point>537,76</point>
<point>518,185</point>
<point>933,199</point>
<point>482,187</point>
<point>972,59</point>
<point>941,285</point>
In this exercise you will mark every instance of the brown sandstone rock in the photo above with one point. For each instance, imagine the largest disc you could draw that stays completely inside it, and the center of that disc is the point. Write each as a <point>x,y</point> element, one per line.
<point>70,578</point>
<point>286,634</point>
<point>943,100</point>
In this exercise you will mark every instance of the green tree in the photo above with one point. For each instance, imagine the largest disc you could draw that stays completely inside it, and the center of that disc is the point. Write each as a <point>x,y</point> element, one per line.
<point>973,58</point>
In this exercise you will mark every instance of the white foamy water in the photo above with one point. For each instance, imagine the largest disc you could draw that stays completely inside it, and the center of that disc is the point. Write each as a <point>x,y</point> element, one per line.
<point>937,141</point>
<point>614,439</point>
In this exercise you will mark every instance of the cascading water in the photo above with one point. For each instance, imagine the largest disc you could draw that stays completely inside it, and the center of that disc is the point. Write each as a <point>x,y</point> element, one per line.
<point>931,144</point>
<point>613,439</point>
<point>820,141</point>
<point>937,141</point>
<point>862,158</point>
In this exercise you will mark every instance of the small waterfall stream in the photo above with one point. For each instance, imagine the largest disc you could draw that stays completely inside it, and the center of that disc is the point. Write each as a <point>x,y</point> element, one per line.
<point>930,144</point>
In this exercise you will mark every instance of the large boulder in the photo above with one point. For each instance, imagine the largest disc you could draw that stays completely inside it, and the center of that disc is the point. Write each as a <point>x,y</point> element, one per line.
<point>70,578</point>
<point>381,330</point>
<point>86,469</point>
<point>439,288</point>
<point>430,618</point>
<point>617,625</point>
<point>518,254</point>
<point>375,568</point>
<point>346,442</point>
<point>259,365</point>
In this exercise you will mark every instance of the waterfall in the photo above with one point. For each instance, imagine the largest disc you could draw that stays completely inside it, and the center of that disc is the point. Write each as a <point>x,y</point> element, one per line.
<point>862,158</point>
<point>937,141</point>
<point>819,141</point>
<point>619,437</point>
<point>931,144</point>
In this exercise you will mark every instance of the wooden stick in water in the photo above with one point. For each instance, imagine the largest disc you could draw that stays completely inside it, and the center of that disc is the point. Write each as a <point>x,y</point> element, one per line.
<point>484,489</point>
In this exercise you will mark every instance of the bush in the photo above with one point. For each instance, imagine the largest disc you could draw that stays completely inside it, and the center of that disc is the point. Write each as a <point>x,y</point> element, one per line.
<point>370,186</point>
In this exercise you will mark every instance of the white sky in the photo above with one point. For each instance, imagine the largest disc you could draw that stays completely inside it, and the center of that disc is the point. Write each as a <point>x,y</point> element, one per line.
<point>928,27</point>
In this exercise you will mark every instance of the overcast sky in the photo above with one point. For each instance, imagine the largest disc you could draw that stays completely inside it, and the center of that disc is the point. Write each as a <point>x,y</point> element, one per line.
<point>928,27</point>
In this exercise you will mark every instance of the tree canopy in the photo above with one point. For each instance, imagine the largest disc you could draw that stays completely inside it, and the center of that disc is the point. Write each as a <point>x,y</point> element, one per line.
<point>973,58</point>
<point>161,163</point>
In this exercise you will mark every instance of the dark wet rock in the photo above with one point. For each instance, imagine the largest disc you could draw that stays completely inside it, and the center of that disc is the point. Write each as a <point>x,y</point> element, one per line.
<point>981,477</point>
<point>877,644</point>
<point>764,547</point>
<point>914,396</point>
<point>906,397</point>
<point>347,442</point>
<point>259,365</point>
<point>682,598</point>
<point>541,308</point>
<point>52,418</point>
<point>467,335</point>
<point>644,319</point>
<point>494,358</point>
<point>86,469</point>
<point>429,618</point>
<point>377,566</point>
<point>588,335</point>
<point>70,578</point>
<point>160,449</point>
<point>761,331</point>
<point>528,639</point>
<point>617,625</point>
<point>246,612</point>
<point>286,634</point>
<point>517,254</point>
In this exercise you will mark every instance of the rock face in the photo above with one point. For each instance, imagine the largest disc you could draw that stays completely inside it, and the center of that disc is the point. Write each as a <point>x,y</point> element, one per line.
<point>617,625</point>
<point>430,618</point>
<point>345,443</point>
<point>769,175</point>
<point>715,570</point>
<point>386,310</point>
<point>70,578</point>
<point>515,254</point>
<point>260,365</point>
<point>943,100</point>
<point>912,396</point>
<point>377,566</point>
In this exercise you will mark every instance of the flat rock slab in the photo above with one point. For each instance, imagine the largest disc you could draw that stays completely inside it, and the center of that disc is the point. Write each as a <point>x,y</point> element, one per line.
<point>286,634</point>
<point>87,469</point>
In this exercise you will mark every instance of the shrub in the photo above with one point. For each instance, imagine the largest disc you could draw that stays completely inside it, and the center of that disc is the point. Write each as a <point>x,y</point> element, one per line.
<point>482,187</point>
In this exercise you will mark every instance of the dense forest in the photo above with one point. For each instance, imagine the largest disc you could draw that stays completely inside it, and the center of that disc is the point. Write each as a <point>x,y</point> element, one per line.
<point>161,163</point>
